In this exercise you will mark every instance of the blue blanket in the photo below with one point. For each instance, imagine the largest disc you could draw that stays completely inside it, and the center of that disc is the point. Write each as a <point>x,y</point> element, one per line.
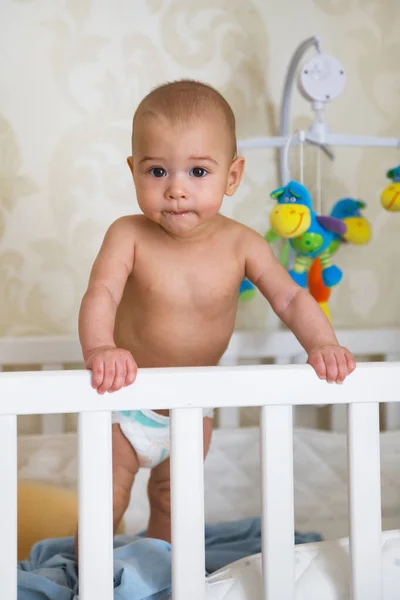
<point>50,572</point>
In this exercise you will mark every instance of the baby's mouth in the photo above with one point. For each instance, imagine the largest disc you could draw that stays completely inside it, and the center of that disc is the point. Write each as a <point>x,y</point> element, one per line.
<point>178,213</point>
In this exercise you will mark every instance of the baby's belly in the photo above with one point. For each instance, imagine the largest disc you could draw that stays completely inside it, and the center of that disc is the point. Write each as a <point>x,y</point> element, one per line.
<point>174,342</point>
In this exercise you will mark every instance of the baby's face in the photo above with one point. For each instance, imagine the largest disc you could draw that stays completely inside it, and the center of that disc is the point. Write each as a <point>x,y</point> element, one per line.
<point>182,172</point>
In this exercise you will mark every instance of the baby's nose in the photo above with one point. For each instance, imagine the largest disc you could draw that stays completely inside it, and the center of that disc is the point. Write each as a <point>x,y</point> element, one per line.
<point>175,191</point>
<point>175,194</point>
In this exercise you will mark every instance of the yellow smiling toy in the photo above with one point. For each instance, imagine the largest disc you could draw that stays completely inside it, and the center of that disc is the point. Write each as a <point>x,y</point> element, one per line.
<point>390,197</point>
<point>290,220</point>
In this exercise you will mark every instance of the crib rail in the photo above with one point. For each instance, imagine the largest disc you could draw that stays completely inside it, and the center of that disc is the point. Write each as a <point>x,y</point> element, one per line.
<point>276,389</point>
<point>279,347</point>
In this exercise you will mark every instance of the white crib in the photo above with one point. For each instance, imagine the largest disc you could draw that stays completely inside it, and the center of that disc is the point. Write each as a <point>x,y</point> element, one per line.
<point>186,391</point>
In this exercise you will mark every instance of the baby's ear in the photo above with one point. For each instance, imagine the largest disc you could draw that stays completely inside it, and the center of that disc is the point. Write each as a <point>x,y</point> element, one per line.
<point>235,175</point>
<point>129,160</point>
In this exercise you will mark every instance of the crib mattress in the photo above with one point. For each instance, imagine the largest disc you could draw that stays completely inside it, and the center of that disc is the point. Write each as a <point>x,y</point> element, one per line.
<point>232,484</point>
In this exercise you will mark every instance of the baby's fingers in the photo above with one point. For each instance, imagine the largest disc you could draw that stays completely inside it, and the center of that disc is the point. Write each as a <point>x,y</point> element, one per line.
<point>109,375</point>
<point>331,367</point>
<point>318,364</point>
<point>351,363</point>
<point>120,374</point>
<point>131,371</point>
<point>342,367</point>
<point>97,373</point>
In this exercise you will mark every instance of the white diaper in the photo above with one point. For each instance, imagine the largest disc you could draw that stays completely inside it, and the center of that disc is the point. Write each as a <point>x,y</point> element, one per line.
<point>148,433</point>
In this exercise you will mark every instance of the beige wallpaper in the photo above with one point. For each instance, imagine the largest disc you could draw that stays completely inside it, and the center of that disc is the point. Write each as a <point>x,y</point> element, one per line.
<point>72,72</point>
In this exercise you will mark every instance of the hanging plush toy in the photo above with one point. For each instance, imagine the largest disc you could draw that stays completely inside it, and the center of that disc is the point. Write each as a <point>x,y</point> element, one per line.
<point>358,232</point>
<point>390,197</point>
<point>309,234</point>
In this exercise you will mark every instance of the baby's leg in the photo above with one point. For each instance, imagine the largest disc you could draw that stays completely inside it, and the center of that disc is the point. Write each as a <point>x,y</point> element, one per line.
<point>159,492</point>
<point>125,467</point>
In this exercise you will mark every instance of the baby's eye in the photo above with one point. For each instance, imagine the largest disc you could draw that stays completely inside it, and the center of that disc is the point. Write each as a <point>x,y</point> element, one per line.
<point>198,172</point>
<point>158,172</point>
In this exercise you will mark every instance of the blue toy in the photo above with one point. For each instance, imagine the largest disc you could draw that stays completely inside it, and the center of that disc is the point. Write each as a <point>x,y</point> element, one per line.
<point>349,211</point>
<point>347,207</point>
<point>247,290</point>
<point>309,234</point>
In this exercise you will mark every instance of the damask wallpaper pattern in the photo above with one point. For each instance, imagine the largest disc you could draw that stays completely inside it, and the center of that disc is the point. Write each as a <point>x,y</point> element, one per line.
<point>72,72</point>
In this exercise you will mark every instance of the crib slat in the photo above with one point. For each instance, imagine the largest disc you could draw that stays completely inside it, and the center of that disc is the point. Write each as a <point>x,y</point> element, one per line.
<point>187,504</point>
<point>277,502</point>
<point>365,500</point>
<point>8,507</point>
<point>95,507</point>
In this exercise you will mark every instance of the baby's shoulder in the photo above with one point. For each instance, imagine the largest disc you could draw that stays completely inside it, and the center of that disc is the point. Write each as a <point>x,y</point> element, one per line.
<point>129,225</point>
<point>244,240</point>
<point>239,232</point>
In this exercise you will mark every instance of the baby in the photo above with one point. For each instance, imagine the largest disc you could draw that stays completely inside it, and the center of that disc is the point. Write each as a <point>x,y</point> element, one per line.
<point>164,288</point>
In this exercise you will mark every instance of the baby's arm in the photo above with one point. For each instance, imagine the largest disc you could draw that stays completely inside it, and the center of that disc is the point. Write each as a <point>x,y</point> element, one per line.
<point>297,310</point>
<point>112,367</point>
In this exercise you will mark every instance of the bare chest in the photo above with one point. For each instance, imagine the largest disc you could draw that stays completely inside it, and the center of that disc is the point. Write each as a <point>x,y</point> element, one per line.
<point>190,280</point>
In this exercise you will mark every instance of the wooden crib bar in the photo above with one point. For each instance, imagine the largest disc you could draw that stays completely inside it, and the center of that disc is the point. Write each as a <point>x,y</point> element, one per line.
<point>276,437</point>
<point>8,507</point>
<point>364,500</point>
<point>70,391</point>
<point>187,504</point>
<point>54,353</point>
<point>95,507</point>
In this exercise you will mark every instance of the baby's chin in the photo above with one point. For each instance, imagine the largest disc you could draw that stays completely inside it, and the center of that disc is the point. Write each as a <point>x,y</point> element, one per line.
<point>179,221</point>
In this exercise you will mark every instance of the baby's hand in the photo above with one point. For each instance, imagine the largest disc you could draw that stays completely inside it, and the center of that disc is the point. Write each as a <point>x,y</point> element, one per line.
<point>112,368</point>
<point>332,363</point>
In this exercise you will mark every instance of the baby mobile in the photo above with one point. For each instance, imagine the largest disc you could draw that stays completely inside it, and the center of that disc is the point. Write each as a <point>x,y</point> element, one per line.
<point>315,238</point>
